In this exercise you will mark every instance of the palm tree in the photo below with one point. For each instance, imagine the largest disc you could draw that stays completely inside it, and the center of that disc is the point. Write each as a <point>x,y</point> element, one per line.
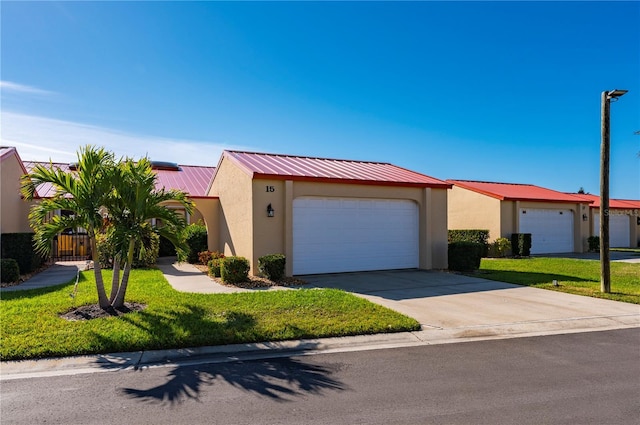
<point>132,204</point>
<point>83,192</point>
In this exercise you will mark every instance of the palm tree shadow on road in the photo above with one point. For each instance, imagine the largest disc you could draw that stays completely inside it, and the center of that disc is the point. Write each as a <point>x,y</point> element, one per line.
<point>279,379</point>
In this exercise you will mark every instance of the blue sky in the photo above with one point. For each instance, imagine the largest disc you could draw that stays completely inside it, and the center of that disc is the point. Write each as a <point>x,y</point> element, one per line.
<point>494,91</point>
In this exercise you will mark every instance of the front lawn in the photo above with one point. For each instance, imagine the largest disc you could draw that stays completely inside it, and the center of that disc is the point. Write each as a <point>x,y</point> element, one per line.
<point>580,277</point>
<point>31,326</point>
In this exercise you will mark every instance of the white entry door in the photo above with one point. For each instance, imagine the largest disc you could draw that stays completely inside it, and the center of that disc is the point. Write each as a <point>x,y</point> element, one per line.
<point>619,231</point>
<point>551,229</point>
<point>332,235</point>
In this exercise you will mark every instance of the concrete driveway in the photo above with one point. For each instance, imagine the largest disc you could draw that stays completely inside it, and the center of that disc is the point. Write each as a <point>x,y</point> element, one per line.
<point>449,305</point>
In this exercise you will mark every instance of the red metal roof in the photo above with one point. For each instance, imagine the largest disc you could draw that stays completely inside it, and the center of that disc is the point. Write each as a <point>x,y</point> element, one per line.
<point>289,167</point>
<point>45,190</point>
<point>613,203</point>
<point>194,180</point>
<point>517,192</point>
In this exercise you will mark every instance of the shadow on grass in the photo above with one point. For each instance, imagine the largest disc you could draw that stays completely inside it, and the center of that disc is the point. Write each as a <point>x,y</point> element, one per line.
<point>526,278</point>
<point>278,379</point>
<point>185,326</point>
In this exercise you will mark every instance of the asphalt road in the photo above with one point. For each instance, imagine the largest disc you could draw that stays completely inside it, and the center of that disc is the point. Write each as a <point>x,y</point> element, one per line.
<point>581,378</point>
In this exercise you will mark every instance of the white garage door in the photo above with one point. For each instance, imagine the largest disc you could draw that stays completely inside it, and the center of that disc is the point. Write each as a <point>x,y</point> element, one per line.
<point>551,230</point>
<point>619,236</point>
<point>332,235</point>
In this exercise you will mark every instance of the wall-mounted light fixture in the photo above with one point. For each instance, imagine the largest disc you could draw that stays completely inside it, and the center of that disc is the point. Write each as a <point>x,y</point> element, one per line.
<point>270,211</point>
<point>584,217</point>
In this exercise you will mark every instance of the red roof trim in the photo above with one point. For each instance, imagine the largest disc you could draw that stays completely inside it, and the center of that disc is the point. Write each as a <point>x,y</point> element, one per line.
<point>349,181</point>
<point>202,197</point>
<point>616,204</point>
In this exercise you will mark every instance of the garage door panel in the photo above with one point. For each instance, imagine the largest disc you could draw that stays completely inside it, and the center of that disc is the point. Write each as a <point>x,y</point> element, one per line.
<point>340,234</point>
<point>619,230</point>
<point>551,229</point>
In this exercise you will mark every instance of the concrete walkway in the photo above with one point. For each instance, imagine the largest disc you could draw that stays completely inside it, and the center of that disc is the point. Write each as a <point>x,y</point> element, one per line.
<point>57,274</point>
<point>185,277</point>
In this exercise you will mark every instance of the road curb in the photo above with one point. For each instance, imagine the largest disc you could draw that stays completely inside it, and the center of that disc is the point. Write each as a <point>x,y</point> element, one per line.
<point>136,360</point>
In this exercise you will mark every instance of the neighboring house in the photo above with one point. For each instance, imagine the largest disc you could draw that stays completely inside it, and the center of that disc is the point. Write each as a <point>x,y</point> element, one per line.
<point>329,215</point>
<point>558,222</point>
<point>194,180</point>
<point>14,210</point>
<point>624,221</point>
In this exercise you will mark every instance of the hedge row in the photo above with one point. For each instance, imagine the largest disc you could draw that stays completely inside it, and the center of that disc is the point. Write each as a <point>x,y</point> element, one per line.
<point>465,256</point>
<point>480,236</point>
<point>19,246</point>
<point>236,269</point>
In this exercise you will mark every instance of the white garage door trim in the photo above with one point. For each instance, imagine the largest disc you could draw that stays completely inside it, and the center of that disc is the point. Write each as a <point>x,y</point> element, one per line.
<point>619,231</point>
<point>333,235</point>
<point>551,229</point>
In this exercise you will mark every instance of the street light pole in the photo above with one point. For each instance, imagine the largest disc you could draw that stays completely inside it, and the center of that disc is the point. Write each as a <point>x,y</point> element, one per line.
<point>605,260</point>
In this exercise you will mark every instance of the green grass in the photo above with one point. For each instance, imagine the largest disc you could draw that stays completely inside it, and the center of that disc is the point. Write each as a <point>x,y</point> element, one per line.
<point>580,277</point>
<point>31,326</point>
<point>629,250</point>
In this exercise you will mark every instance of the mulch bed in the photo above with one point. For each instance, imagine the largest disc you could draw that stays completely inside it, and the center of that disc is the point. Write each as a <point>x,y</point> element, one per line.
<point>254,281</point>
<point>93,311</point>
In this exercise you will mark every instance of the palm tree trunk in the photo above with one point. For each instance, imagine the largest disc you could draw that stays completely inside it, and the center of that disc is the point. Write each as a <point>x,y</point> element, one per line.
<point>115,280</point>
<point>103,301</point>
<point>122,291</point>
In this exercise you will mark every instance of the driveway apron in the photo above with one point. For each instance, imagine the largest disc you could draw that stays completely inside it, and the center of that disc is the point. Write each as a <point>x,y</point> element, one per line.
<point>459,306</point>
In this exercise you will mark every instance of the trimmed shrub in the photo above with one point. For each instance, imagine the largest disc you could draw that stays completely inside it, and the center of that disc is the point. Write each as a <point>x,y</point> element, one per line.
<point>234,269</point>
<point>471,235</point>
<point>205,256</point>
<point>272,266</point>
<point>500,248</point>
<point>19,246</point>
<point>196,236</point>
<point>594,243</point>
<point>521,244</point>
<point>214,266</point>
<point>9,270</point>
<point>465,256</point>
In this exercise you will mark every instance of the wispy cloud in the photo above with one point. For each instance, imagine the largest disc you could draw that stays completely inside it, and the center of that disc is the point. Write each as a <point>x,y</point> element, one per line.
<point>43,139</point>
<point>21,88</point>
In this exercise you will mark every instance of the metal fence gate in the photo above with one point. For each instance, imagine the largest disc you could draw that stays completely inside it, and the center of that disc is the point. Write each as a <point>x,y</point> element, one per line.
<point>71,247</point>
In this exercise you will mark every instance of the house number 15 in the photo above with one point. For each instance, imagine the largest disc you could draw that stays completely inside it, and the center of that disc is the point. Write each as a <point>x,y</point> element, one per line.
<point>271,189</point>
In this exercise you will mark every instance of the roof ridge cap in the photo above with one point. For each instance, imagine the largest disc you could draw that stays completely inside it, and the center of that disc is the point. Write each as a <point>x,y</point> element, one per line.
<point>308,157</point>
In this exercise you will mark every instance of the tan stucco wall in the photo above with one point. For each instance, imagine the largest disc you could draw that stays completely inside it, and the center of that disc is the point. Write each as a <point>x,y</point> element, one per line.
<point>269,232</point>
<point>235,218</point>
<point>14,211</point>
<point>472,210</point>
